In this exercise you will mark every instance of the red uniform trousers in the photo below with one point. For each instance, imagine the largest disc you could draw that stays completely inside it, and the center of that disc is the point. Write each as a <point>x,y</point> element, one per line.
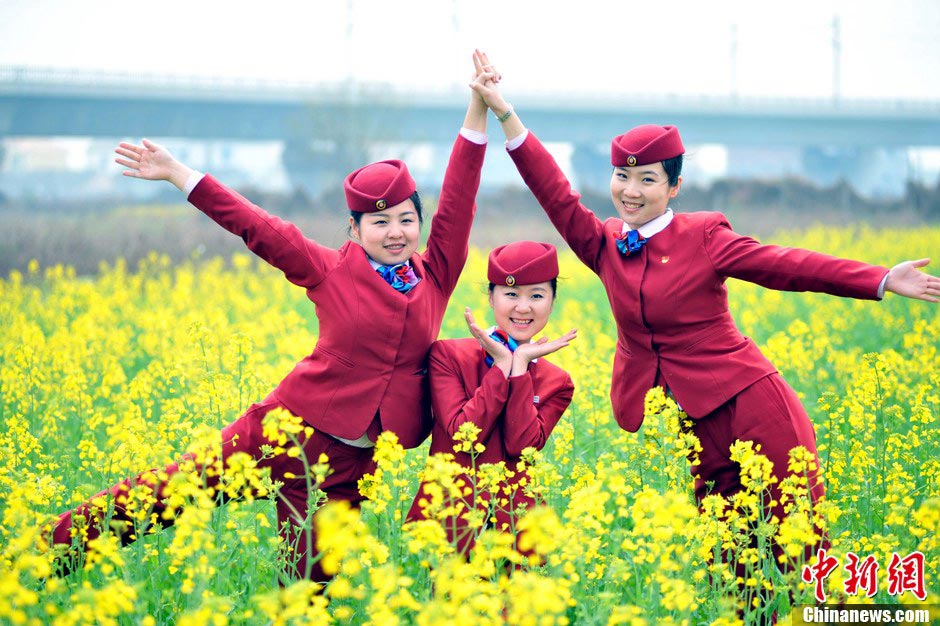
<point>506,516</point>
<point>769,413</point>
<point>347,465</point>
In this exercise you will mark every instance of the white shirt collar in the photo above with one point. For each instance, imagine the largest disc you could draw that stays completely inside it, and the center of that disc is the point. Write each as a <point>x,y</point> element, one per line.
<point>655,225</point>
<point>376,265</point>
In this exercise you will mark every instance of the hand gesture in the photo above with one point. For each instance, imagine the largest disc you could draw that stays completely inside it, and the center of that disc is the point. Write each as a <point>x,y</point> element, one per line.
<point>502,356</point>
<point>906,280</point>
<point>151,162</point>
<point>485,81</point>
<point>526,352</point>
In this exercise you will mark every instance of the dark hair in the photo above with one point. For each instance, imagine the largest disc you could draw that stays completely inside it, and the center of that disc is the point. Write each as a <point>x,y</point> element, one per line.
<point>673,169</point>
<point>415,199</point>
<point>554,282</point>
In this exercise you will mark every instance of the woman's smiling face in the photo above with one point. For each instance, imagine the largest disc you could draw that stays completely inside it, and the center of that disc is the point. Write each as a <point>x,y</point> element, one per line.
<point>641,193</point>
<point>522,311</point>
<point>390,236</point>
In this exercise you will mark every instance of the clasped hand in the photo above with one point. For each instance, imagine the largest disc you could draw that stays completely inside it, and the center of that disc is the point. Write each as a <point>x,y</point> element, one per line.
<point>484,83</point>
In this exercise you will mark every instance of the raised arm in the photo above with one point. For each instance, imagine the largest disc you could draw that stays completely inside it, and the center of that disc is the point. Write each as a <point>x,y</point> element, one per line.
<point>280,243</point>
<point>577,224</point>
<point>475,118</point>
<point>488,90</point>
<point>448,239</point>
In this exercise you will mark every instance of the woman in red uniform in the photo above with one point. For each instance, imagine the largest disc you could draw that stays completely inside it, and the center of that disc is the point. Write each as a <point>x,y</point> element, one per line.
<point>379,305</point>
<point>498,381</point>
<point>664,273</point>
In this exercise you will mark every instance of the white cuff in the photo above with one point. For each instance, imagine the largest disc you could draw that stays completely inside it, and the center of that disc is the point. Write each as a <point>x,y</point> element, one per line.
<point>881,287</point>
<point>192,181</point>
<point>473,135</point>
<point>361,442</point>
<point>518,140</point>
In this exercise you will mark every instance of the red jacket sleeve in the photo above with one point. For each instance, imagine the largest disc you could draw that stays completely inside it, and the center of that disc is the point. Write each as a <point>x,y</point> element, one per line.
<point>280,243</point>
<point>449,400</point>
<point>788,269</point>
<point>577,224</point>
<point>450,227</point>
<point>527,423</point>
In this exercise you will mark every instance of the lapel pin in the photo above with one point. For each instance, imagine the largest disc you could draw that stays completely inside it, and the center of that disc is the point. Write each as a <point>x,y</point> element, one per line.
<point>665,259</point>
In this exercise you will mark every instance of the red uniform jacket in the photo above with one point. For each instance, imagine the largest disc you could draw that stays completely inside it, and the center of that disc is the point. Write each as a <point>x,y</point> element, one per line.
<point>371,355</point>
<point>669,299</point>
<point>513,414</point>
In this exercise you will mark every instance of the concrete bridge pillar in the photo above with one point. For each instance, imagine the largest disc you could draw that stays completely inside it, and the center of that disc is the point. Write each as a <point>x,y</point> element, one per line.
<point>772,162</point>
<point>872,171</point>
<point>3,155</point>
<point>591,166</point>
<point>316,167</point>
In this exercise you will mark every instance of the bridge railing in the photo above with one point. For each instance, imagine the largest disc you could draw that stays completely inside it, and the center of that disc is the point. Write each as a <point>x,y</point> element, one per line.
<point>65,81</point>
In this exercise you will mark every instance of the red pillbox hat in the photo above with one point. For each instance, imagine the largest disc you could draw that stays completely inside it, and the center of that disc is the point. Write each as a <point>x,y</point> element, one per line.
<point>377,186</point>
<point>645,144</point>
<point>522,263</point>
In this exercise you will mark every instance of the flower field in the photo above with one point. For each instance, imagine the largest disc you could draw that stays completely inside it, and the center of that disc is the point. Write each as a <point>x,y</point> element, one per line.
<point>105,376</point>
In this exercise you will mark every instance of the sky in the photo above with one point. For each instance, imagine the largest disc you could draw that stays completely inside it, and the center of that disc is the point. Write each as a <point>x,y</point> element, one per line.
<point>622,48</point>
<point>860,49</point>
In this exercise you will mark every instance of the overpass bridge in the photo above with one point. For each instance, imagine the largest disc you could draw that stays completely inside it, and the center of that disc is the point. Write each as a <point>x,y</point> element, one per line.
<point>326,128</point>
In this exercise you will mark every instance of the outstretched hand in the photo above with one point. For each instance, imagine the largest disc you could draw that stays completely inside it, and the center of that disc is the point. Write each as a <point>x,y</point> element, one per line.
<point>502,356</point>
<point>905,279</point>
<point>151,161</point>
<point>526,352</point>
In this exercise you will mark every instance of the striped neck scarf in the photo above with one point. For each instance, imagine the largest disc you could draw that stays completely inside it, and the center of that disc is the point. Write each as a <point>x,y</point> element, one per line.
<point>401,277</point>
<point>630,242</point>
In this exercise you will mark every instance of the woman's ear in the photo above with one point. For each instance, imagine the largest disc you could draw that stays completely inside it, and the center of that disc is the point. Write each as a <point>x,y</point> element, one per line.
<point>675,190</point>
<point>353,229</point>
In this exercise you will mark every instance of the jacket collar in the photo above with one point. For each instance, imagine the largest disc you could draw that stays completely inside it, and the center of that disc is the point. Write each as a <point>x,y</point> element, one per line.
<point>654,226</point>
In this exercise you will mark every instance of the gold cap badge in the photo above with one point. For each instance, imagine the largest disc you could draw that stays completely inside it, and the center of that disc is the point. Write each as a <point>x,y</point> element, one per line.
<point>631,160</point>
<point>380,204</point>
<point>510,280</point>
